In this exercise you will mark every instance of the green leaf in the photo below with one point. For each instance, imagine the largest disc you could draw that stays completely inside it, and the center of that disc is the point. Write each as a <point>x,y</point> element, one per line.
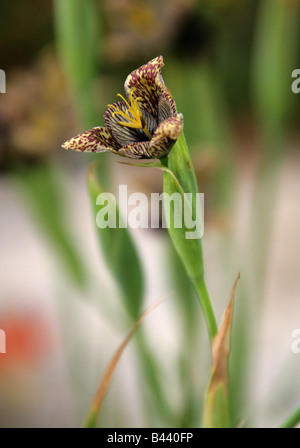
<point>275,53</point>
<point>41,186</point>
<point>293,420</point>
<point>119,251</point>
<point>77,32</point>
<point>179,177</point>
<point>182,180</point>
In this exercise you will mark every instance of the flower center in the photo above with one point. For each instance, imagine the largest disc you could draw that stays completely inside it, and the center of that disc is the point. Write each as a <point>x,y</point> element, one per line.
<point>133,115</point>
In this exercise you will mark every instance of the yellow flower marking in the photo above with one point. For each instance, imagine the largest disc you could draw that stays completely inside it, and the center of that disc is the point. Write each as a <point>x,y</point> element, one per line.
<point>133,114</point>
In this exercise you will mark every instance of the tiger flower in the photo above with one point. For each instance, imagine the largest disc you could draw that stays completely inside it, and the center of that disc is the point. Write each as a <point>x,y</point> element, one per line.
<point>144,126</point>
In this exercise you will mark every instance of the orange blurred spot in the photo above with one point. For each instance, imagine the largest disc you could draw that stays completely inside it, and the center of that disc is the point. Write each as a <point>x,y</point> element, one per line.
<point>28,340</point>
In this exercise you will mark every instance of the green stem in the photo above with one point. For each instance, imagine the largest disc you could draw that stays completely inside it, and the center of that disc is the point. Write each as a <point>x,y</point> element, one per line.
<point>293,420</point>
<point>207,308</point>
<point>180,177</point>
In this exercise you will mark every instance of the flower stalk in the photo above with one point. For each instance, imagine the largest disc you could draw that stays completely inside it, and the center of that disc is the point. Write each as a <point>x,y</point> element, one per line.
<point>189,250</point>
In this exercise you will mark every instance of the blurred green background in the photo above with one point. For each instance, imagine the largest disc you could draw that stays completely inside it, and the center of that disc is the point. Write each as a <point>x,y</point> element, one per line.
<point>68,292</point>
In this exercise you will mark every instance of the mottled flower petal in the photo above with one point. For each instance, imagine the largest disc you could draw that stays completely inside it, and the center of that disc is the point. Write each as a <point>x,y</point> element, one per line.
<point>166,107</point>
<point>148,84</point>
<point>144,126</point>
<point>95,140</point>
<point>151,122</point>
<point>163,139</point>
<point>139,150</point>
<point>122,134</point>
<point>165,136</point>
